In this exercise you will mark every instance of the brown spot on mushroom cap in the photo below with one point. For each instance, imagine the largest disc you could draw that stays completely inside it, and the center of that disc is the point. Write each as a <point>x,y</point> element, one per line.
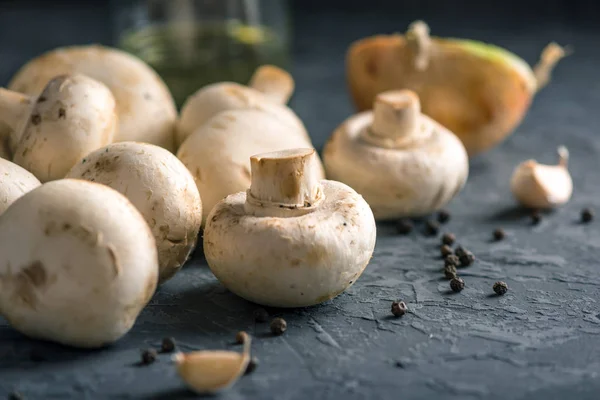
<point>113,259</point>
<point>26,282</point>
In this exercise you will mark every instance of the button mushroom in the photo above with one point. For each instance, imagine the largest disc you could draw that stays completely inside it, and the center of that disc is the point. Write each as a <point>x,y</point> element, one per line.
<point>77,264</point>
<point>269,90</point>
<point>536,185</point>
<point>159,186</point>
<point>291,240</point>
<point>72,116</point>
<point>14,183</point>
<point>145,107</point>
<point>478,91</point>
<point>218,153</point>
<point>402,162</point>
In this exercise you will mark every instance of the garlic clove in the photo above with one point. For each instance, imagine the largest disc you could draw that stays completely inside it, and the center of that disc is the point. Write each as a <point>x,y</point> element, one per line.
<point>212,371</point>
<point>543,186</point>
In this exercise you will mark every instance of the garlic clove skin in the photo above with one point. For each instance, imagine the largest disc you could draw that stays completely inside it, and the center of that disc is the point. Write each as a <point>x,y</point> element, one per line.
<point>207,372</point>
<point>537,185</point>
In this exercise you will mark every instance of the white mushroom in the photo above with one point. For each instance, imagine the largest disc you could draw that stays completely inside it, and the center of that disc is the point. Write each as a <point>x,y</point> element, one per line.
<point>218,153</point>
<point>543,186</point>
<point>269,90</point>
<point>291,240</point>
<point>73,116</point>
<point>145,107</point>
<point>14,183</point>
<point>159,186</point>
<point>77,264</point>
<point>401,161</point>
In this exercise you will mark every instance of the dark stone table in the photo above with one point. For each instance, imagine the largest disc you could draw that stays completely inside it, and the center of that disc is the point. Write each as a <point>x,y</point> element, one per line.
<point>540,341</point>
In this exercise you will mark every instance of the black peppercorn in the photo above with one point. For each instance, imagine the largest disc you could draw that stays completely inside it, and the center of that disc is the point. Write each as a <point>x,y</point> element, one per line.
<point>445,250</point>
<point>431,228</point>
<point>457,284</point>
<point>500,288</point>
<point>450,271</point>
<point>460,251</point>
<point>536,217</point>
<point>448,238</point>
<point>261,315</point>
<point>399,308</point>
<point>278,326</point>
<point>252,364</point>
<point>404,226</point>
<point>466,259</point>
<point>148,356</point>
<point>240,337</point>
<point>167,345</point>
<point>499,234</point>
<point>443,216</point>
<point>587,215</point>
<point>452,260</point>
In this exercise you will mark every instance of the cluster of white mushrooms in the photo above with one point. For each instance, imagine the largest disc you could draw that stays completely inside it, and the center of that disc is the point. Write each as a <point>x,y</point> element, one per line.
<point>107,189</point>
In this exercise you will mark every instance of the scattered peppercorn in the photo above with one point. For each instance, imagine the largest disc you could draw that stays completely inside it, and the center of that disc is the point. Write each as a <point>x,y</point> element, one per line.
<point>587,215</point>
<point>148,356</point>
<point>432,228</point>
<point>36,119</point>
<point>443,216</point>
<point>399,308</point>
<point>404,226</point>
<point>240,337</point>
<point>445,250</point>
<point>252,364</point>
<point>261,315</point>
<point>450,271</point>
<point>499,234</point>
<point>448,238</point>
<point>500,288</point>
<point>452,260</point>
<point>536,217</point>
<point>466,259</point>
<point>457,284</point>
<point>278,326</point>
<point>15,396</point>
<point>460,251</point>
<point>167,345</point>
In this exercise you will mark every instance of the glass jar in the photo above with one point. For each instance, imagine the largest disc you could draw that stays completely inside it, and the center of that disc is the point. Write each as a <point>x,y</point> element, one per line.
<point>192,43</point>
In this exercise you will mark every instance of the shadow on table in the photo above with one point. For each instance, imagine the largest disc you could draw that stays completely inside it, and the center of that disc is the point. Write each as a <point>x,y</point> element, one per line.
<point>30,353</point>
<point>179,393</point>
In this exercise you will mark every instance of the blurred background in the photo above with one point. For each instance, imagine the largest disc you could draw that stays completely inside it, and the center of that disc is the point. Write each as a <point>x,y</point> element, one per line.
<point>195,42</point>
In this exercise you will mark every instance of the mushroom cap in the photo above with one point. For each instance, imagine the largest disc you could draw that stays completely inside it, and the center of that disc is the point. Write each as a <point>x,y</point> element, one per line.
<point>73,116</point>
<point>14,183</point>
<point>218,153</point>
<point>159,186</point>
<point>541,186</point>
<point>291,262</point>
<point>213,99</point>
<point>77,264</point>
<point>478,91</point>
<point>145,107</point>
<point>411,181</point>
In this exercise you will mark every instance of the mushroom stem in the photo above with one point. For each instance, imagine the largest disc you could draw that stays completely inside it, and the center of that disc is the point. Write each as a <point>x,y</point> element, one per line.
<point>284,183</point>
<point>396,118</point>
<point>563,156</point>
<point>14,108</point>
<point>419,41</point>
<point>550,56</point>
<point>273,82</point>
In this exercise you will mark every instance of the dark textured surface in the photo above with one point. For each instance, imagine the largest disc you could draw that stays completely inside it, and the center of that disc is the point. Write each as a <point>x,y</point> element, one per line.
<point>539,341</point>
